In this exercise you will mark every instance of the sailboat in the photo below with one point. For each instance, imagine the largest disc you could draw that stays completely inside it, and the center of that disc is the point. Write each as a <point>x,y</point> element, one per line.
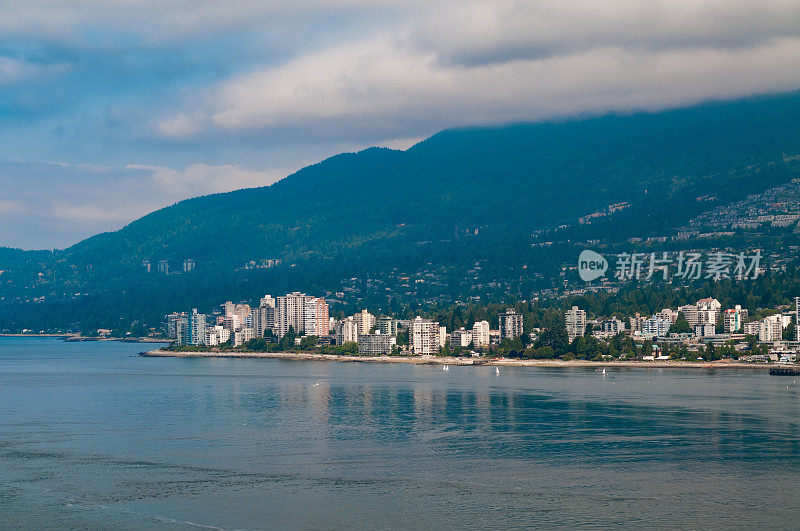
<point>497,371</point>
<point>604,372</point>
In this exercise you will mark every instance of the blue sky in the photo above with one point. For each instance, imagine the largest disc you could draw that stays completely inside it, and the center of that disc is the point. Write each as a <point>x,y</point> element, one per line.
<point>110,109</point>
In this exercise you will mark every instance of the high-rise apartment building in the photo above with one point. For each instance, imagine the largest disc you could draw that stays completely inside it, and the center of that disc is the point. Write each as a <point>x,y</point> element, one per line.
<point>289,313</point>
<point>575,321</point>
<point>365,322</point>
<point>315,317</point>
<point>734,318</point>
<point>424,336</point>
<point>708,311</point>
<point>346,331</point>
<point>388,325</point>
<point>480,334</point>
<point>196,328</point>
<point>510,324</point>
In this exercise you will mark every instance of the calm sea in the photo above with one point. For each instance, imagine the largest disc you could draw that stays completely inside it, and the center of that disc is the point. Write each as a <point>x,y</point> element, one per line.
<point>93,435</point>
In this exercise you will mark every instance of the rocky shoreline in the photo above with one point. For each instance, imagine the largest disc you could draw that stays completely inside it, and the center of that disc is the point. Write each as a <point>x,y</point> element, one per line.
<point>437,360</point>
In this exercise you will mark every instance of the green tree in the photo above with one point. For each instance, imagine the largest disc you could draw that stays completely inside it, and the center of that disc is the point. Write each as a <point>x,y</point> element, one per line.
<point>681,325</point>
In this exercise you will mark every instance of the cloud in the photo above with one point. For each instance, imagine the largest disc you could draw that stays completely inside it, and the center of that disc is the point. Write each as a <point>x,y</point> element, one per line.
<point>15,71</point>
<point>202,179</point>
<point>57,204</point>
<point>474,32</point>
<point>388,89</point>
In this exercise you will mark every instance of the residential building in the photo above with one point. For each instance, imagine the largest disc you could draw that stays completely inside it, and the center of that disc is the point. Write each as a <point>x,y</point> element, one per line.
<point>668,314</point>
<point>705,330</point>
<point>510,324</point>
<point>346,331</point>
<point>460,338</point>
<point>196,328</point>
<point>263,319</point>
<point>267,301</point>
<point>163,267</point>
<point>289,313</point>
<point>734,318</point>
<point>188,265</point>
<point>424,336</point>
<point>575,321</point>
<point>172,324</point>
<point>708,311</point>
<point>480,334</point>
<point>365,322</point>
<point>240,337</point>
<point>613,326</point>
<point>376,344</point>
<point>388,325</point>
<point>772,327</point>
<point>315,317</point>
<point>656,327</point>
<point>752,328</point>
<point>217,335</point>
<point>637,323</point>
<point>690,313</point>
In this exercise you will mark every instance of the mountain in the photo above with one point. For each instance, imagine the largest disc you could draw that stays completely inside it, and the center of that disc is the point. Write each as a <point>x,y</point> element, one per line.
<point>455,216</point>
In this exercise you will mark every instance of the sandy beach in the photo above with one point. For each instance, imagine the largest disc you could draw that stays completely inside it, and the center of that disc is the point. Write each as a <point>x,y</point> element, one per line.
<point>437,360</point>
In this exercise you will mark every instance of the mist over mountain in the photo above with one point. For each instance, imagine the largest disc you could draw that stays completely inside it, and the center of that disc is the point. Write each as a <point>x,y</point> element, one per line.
<point>456,216</point>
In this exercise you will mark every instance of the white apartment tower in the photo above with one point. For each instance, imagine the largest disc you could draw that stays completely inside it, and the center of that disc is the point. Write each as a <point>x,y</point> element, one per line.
<point>289,313</point>
<point>365,322</point>
<point>480,334</point>
<point>346,331</point>
<point>575,321</point>
<point>424,336</point>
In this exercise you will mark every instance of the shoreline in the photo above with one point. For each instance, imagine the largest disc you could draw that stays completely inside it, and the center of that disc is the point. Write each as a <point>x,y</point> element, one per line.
<point>437,360</point>
<point>78,338</point>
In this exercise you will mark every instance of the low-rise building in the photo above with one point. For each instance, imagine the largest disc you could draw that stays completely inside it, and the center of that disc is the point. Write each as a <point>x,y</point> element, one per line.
<point>460,338</point>
<point>705,330</point>
<point>752,329</point>
<point>376,344</point>
<point>612,326</point>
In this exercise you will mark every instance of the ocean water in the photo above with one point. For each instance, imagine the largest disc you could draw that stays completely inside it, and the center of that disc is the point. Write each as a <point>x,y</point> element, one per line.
<point>92,435</point>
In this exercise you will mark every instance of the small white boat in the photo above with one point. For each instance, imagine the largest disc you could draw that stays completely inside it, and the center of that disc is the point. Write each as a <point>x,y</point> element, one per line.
<point>497,371</point>
<point>604,372</point>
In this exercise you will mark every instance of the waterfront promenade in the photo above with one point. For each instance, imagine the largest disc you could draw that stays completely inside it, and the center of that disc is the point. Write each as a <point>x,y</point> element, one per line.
<point>442,360</point>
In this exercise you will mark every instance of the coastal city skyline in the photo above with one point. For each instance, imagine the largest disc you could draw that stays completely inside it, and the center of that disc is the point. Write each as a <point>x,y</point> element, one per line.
<point>393,264</point>
<point>307,322</point>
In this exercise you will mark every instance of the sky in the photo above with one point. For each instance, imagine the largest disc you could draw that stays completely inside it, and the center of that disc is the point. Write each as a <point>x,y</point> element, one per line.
<point>110,109</point>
